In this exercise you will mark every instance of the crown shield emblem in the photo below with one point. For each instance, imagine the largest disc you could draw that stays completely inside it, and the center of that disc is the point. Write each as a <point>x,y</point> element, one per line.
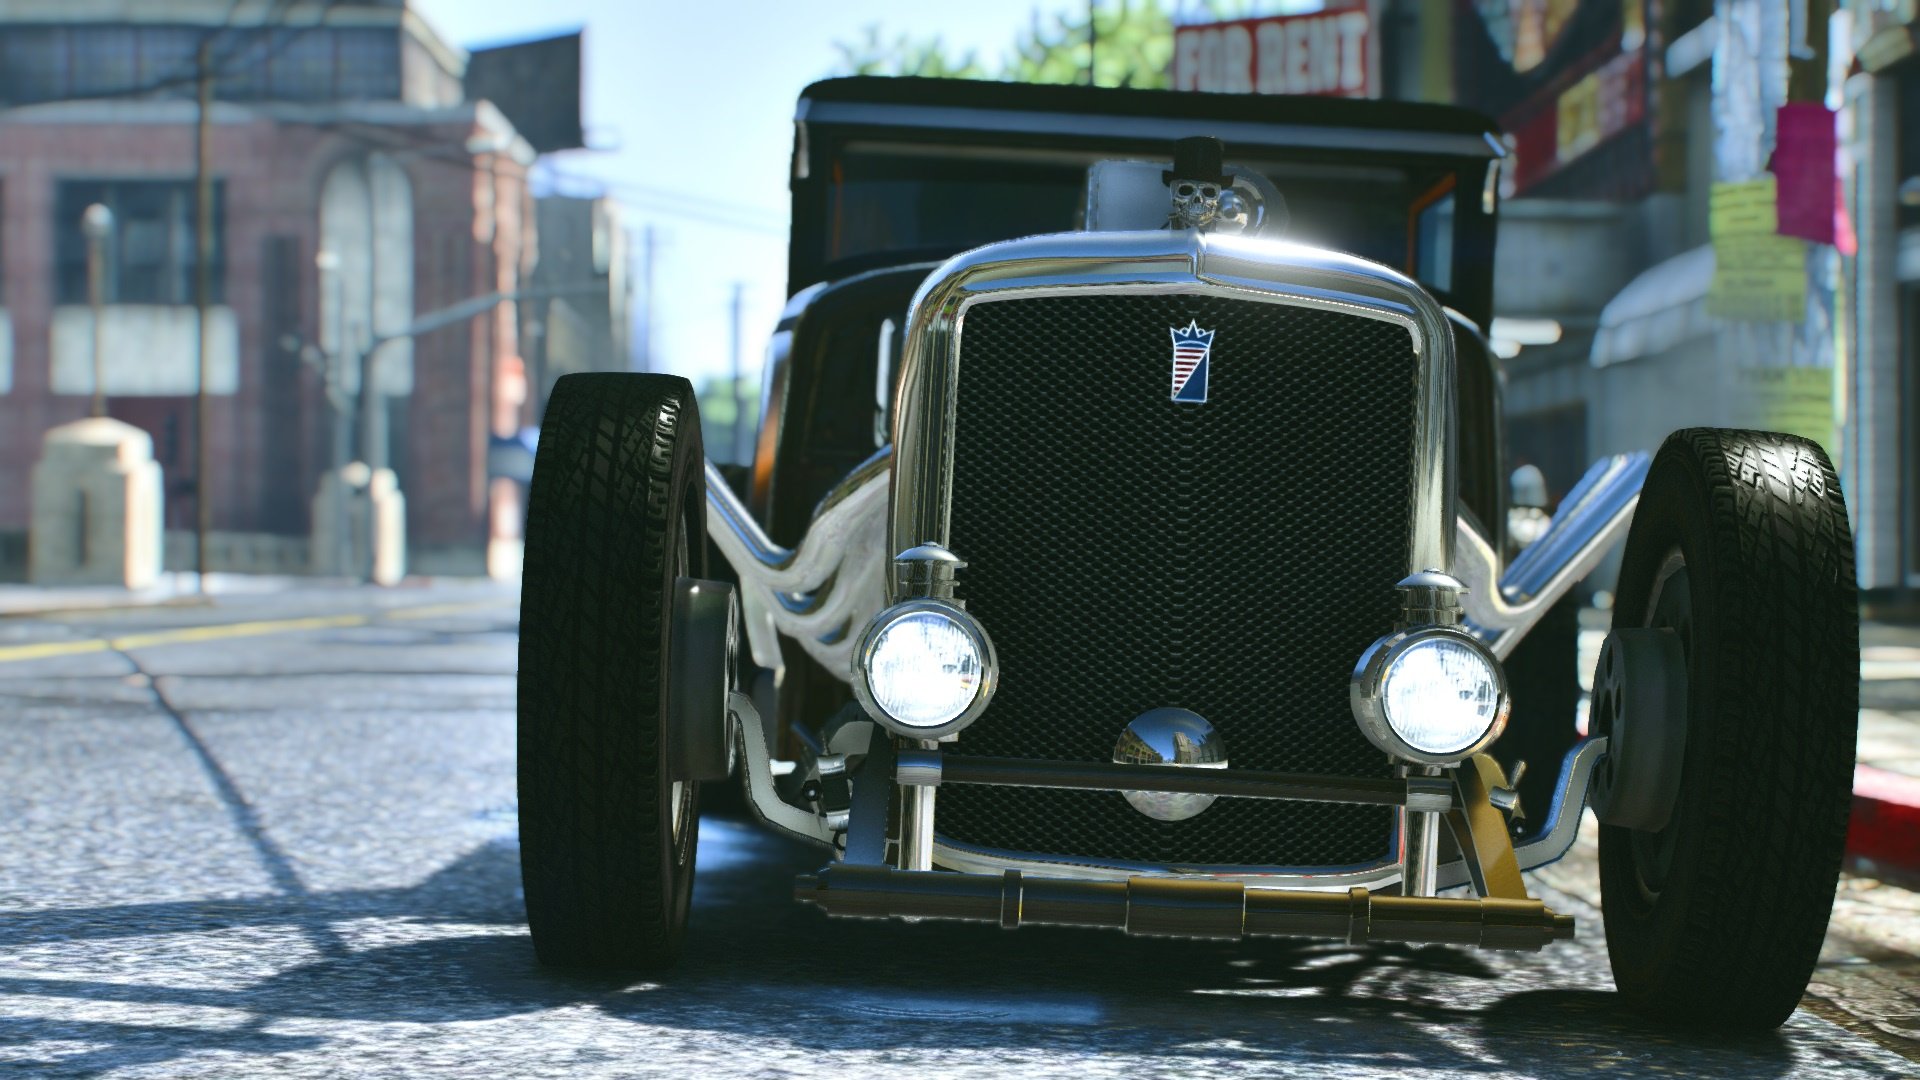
<point>1192,349</point>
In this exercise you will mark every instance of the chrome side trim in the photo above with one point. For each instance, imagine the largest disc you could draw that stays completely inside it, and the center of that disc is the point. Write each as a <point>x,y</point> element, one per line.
<point>1239,134</point>
<point>1162,262</point>
<point>971,859</point>
<point>1563,822</point>
<point>1593,517</point>
<point>834,580</point>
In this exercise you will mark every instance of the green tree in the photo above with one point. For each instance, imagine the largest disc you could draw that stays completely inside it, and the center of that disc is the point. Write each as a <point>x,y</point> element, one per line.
<point>729,417</point>
<point>905,55</point>
<point>1132,45</point>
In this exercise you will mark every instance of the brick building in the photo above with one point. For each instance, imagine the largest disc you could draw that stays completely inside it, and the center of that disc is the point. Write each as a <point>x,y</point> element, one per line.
<point>338,128</point>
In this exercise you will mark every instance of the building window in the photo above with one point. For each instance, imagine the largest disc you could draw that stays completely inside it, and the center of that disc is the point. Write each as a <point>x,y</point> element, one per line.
<point>367,64</point>
<point>102,59</point>
<point>302,67</point>
<point>170,55</point>
<point>298,63</point>
<point>33,64</point>
<point>244,60</point>
<point>150,254</point>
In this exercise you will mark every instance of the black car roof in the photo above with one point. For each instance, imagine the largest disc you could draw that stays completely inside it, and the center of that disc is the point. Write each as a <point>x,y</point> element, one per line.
<point>1392,127</point>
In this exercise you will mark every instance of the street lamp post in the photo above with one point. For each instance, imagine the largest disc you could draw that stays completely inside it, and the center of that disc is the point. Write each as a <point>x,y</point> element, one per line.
<point>96,224</point>
<point>328,263</point>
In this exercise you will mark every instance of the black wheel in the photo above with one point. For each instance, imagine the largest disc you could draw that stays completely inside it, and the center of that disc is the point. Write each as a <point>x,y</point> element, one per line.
<point>1741,546</point>
<point>607,833</point>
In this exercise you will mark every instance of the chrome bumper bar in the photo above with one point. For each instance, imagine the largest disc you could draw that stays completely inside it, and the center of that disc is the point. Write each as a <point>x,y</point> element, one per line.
<point>1502,917</point>
<point>1176,907</point>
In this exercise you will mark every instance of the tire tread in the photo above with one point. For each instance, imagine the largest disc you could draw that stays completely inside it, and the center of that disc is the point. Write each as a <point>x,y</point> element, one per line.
<point>609,492</point>
<point>1766,787</point>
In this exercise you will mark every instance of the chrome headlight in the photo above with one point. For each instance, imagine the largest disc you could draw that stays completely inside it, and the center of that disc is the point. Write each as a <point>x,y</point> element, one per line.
<point>1433,695</point>
<point>924,668</point>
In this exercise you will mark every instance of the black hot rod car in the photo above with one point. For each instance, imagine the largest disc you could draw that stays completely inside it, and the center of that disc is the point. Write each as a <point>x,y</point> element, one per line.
<point>1123,546</point>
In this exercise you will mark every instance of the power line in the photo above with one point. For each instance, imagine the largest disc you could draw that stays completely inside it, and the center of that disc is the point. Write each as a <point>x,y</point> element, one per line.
<point>425,146</point>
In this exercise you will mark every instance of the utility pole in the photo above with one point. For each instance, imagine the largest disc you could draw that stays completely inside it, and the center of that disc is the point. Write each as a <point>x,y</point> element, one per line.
<point>96,225</point>
<point>372,409</point>
<point>202,290</point>
<point>327,262</point>
<point>733,388</point>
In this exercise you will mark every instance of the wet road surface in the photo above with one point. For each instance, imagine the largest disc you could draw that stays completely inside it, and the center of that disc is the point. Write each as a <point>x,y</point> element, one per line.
<point>290,851</point>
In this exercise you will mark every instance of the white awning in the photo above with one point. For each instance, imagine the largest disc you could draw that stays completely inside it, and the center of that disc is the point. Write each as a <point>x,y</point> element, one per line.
<point>1664,306</point>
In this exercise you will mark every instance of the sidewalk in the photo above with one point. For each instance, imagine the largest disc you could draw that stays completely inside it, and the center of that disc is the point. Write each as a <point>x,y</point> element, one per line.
<point>172,590</point>
<point>1885,831</point>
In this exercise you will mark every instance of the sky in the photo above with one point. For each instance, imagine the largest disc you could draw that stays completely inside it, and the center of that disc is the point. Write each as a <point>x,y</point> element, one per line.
<point>693,103</point>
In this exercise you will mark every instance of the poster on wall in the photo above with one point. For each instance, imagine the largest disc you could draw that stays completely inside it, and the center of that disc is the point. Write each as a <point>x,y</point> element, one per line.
<point>1330,53</point>
<point>1758,275</point>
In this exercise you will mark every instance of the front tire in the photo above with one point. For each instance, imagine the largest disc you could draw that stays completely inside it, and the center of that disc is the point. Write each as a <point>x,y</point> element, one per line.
<point>1741,546</point>
<point>616,514</point>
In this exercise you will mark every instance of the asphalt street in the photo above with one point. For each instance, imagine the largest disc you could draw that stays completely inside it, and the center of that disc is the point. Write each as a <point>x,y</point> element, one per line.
<point>275,835</point>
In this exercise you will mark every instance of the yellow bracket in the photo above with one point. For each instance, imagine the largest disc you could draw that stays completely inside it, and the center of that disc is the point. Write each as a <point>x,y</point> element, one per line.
<point>1481,830</point>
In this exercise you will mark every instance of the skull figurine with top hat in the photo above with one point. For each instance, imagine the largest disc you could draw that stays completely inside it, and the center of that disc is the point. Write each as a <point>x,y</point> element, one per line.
<point>1203,195</point>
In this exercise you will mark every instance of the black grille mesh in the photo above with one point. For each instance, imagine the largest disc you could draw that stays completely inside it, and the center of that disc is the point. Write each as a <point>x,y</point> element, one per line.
<point>1128,552</point>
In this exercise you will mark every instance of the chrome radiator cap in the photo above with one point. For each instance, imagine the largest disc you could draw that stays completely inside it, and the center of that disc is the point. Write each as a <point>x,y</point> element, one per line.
<point>1169,736</point>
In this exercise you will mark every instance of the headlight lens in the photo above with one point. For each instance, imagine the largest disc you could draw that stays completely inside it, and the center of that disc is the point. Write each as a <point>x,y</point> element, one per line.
<point>1441,695</point>
<point>924,669</point>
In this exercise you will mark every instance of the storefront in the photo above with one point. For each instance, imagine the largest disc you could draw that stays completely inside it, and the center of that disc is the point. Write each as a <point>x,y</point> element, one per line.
<point>1570,83</point>
<point>1880,296</point>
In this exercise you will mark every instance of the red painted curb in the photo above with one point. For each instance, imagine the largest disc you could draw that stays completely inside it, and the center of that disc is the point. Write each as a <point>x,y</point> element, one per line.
<point>1885,827</point>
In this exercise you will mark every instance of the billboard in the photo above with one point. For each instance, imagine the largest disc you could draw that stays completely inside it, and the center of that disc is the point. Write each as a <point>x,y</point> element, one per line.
<point>1332,53</point>
<point>537,84</point>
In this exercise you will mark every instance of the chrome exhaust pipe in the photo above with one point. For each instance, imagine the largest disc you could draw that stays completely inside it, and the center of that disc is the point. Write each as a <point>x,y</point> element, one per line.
<point>1592,518</point>
<point>824,590</point>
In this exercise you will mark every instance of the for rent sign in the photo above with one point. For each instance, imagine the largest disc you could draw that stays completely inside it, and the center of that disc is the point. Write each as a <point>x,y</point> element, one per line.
<point>1329,53</point>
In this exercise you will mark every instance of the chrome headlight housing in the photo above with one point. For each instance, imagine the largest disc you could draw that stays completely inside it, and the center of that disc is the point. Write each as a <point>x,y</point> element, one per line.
<point>1433,695</point>
<point>924,668</point>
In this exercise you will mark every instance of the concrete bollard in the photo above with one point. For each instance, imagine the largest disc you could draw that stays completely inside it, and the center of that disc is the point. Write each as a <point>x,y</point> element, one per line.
<point>96,511</point>
<point>371,542</point>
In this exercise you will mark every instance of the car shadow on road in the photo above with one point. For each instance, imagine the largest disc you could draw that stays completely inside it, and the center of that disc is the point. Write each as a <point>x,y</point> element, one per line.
<point>842,985</point>
<point>760,971</point>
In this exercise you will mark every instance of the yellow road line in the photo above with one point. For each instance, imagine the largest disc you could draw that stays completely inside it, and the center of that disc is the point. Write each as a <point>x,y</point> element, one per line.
<point>188,634</point>
<point>51,648</point>
<point>231,630</point>
<point>431,611</point>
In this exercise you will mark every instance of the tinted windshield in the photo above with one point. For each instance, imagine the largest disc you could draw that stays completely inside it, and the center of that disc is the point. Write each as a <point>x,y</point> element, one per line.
<point>933,200</point>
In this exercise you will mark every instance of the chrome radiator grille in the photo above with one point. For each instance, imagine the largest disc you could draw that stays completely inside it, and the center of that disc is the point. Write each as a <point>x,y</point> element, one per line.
<point>1127,552</point>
